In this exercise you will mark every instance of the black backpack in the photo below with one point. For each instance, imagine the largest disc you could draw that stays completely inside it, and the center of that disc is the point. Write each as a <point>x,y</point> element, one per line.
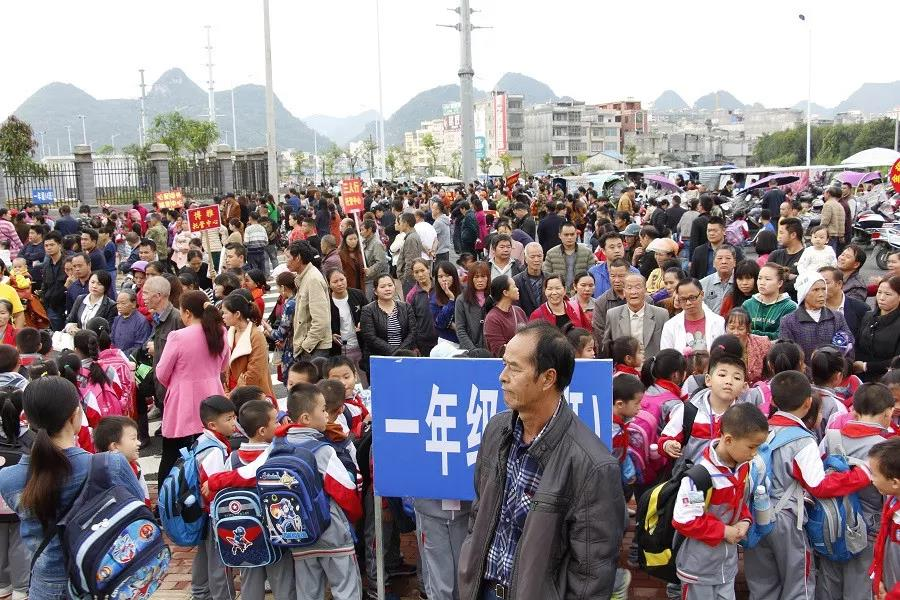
<point>10,454</point>
<point>655,535</point>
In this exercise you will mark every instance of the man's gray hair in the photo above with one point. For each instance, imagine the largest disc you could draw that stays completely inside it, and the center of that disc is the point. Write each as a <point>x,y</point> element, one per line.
<point>157,283</point>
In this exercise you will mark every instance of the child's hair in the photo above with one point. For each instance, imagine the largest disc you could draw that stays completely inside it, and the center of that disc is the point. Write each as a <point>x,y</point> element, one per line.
<point>254,414</point>
<point>334,362</point>
<point>782,356</point>
<point>109,431</point>
<point>87,344</point>
<point>404,353</point>
<point>622,347</point>
<point>824,363</point>
<point>726,358</point>
<point>665,365</point>
<point>817,229</point>
<point>579,338</point>
<point>890,378</point>
<point>790,389</point>
<point>46,341</point>
<point>812,418</point>
<point>697,362</point>
<point>10,412</point>
<point>302,398</point>
<point>304,367</point>
<point>68,365</point>
<point>626,387</point>
<point>28,340</point>
<point>9,358</point>
<point>742,420</point>
<point>102,328</point>
<point>319,363</point>
<point>872,399</point>
<point>887,454</point>
<point>49,403</point>
<point>726,344</point>
<point>42,368</point>
<point>214,407</point>
<point>333,390</point>
<point>246,393</point>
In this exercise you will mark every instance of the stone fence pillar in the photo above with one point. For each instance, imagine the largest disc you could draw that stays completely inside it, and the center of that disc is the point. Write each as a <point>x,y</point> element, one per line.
<point>84,175</point>
<point>159,158</point>
<point>226,168</point>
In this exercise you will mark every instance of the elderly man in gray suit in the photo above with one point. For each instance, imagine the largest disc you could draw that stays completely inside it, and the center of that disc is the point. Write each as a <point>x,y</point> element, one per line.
<point>636,318</point>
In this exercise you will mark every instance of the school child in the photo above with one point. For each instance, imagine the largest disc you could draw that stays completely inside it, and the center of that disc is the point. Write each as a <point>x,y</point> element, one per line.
<point>14,556</point>
<point>120,434</point>
<point>873,405</point>
<point>240,396</point>
<point>884,462</point>
<point>783,356</point>
<point>336,433</point>
<point>892,380</point>
<point>302,371</point>
<point>724,383</point>
<point>356,416</point>
<point>28,343</point>
<point>697,366</point>
<point>627,356</point>
<point>781,565</point>
<point>826,367</point>
<point>68,367</point>
<point>663,375</point>
<point>628,391</point>
<point>9,368</point>
<point>257,417</point>
<point>583,342</point>
<point>209,577</point>
<point>713,523</point>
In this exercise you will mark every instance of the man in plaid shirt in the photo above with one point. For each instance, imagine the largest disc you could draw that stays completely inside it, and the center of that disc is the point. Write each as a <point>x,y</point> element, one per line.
<point>255,240</point>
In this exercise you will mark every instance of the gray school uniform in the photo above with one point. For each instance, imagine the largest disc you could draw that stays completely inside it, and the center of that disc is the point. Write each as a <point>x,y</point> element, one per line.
<point>781,567</point>
<point>830,406</point>
<point>850,580</point>
<point>210,578</point>
<point>15,561</point>
<point>441,534</point>
<point>891,567</point>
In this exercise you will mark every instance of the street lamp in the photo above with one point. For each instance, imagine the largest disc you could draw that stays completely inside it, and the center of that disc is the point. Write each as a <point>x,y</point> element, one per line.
<point>69,133</point>
<point>808,92</point>
<point>83,129</point>
<point>43,153</point>
<point>112,139</point>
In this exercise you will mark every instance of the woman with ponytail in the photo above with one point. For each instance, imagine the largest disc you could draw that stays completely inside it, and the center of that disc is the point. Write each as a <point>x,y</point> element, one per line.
<point>502,316</point>
<point>191,368</point>
<point>249,361</point>
<point>663,376</point>
<point>43,485</point>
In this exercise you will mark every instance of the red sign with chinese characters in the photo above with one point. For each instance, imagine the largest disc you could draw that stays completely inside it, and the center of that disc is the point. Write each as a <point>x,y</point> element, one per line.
<point>203,218</point>
<point>171,199</point>
<point>352,196</point>
<point>894,176</point>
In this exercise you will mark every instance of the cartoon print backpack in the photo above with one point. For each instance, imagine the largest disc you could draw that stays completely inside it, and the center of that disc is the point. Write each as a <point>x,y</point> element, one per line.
<point>642,433</point>
<point>113,546</point>
<point>242,537</point>
<point>180,502</point>
<point>296,508</point>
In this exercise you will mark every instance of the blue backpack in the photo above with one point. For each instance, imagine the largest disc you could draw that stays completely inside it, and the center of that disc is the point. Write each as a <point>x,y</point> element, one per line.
<point>241,534</point>
<point>180,502</point>
<point>835,526</point>
<point>113,547</point>
<point>297,509</point>
<point>761,475</point>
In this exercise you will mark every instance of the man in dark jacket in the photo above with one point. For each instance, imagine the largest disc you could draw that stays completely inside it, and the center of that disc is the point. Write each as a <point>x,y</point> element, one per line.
<point>674,214</point>
<point>468,233</point>
<point>539,460</point>
<point>53,283</point>
<point>838,301</point>
<point>65,224</point>
<point>773,198</point>
<point>549,226</point>
<point>524,221</point>
<point>698,227</point>
<point>33,252</point>
<point>531,281</point>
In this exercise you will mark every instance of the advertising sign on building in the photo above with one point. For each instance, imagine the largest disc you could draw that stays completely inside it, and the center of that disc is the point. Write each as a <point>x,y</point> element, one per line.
<point>500,122</point>
<point>451,116</point>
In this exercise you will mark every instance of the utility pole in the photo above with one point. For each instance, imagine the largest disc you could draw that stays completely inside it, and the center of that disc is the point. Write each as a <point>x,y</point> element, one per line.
<point>58,153</point>
<point>143,131</point>
<point>808,93</point>
<point>466,75</point>
<point>270,106</point>
<point>233,120</point>
<point>896,128</point>
<point>210,83</point>
<point>43,153</point>
<point>112,139</point>
<point>83,129</point>
<point>379,130</point>
<point>69,133</point>
<point>315,157</point>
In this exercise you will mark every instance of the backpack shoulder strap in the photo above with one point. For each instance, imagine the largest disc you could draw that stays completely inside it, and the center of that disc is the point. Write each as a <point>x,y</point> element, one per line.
<point>702,479</point>
<point>690,414</point>
<point>834,442</point>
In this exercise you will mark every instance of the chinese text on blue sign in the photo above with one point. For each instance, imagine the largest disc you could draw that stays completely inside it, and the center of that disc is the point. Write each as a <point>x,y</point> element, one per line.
<point>428,415</point>
<point>42,196</point>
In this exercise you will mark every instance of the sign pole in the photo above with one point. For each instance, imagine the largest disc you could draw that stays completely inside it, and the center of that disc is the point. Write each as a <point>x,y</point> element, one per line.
<point>379,546</point>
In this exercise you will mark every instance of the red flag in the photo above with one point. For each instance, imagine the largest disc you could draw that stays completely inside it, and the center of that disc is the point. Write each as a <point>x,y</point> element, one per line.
<point>511,180</point>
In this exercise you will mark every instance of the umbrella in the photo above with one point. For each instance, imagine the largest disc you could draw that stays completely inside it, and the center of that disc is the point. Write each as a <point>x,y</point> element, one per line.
<point>873,157</point>
<point>778,178</point>
<point>854,179</point>
<point>663,182</point>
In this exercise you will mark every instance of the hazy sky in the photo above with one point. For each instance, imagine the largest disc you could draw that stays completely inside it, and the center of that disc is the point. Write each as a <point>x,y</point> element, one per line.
<point>325,60</point>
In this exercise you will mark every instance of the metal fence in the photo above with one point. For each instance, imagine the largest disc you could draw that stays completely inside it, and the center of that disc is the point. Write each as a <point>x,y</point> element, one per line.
<point>200,178</point>
<point>250,175</point>
<point>60,178</point>
<point>122,181</point>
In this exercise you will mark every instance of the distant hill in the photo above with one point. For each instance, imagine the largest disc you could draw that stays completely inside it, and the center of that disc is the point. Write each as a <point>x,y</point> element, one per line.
<point>816,109</point>
<point>669,100</point>
<point>872,98</point>
<point>341,129</point>
<point>532,90</point>
<point>725,101</point>
<point>56,105</point>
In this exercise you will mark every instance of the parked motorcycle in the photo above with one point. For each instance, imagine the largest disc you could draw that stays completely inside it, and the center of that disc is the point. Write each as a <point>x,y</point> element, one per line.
<point>887,241</point>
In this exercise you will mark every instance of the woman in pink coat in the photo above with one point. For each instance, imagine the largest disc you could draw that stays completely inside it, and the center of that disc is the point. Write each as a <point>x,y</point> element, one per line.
<point>191,368</point>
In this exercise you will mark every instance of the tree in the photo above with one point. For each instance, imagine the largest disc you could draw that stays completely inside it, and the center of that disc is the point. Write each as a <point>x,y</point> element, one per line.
<point>105,150</point>
<point>354,156</point>
<point>169,129</point>
<point>369,148</point>
<point>199,136</point>
<point>137,152</point>
<point>431,149</point>
<point>406,163</point>
<point>17,146</point>
<point>329,161</point>
<point>630,155</point>
<point>390,161</point>
<point>506,161</point>
<point>548,159</point>
<point>830,144</point>
<point>300,161</point>
<point>485,164</point>
<point>582,158</point>
<point>456,164</point>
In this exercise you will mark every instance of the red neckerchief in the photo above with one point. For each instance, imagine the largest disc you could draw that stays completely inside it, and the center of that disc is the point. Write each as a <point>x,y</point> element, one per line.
<point>783,421</point>
<point>737,480</point>
<point>891,506</point>
<point>222,439</point>
<point>621,439</point>
<point>621,368</point>
<point>670,386</point>
<point>855,429</point>
<point>335,433</point>
<point>283,430</point>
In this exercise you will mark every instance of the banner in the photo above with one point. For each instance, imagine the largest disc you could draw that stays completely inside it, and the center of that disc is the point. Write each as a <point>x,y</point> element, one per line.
<point>351,195</point>
<point>203,218</point>
<point>428,415</point>
<point>171,199</point>
<point>894,176</point>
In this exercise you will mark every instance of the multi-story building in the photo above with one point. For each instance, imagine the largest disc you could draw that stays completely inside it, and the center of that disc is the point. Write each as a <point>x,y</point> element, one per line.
<point>500,128</point>
<point>447,138</point>
<point>566,132</point>
<point>630,116</point>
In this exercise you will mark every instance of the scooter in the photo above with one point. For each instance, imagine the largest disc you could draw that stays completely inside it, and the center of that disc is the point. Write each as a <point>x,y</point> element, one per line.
<point>887,241</point>
<point>871,220</point>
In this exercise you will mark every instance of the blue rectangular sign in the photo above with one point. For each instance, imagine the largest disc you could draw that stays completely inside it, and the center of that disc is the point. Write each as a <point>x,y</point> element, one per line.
<point>42,196</point>
<point>428,415</point>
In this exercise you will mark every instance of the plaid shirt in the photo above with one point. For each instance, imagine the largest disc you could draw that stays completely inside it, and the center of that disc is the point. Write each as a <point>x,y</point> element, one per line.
<point>255,237</point>
<point>523,476</point>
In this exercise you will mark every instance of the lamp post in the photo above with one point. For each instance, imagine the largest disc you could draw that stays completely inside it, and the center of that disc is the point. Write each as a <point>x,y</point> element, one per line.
<point>270,106</point>
<point>83,129</point>
<point>112,140</point>
<point>808,92</point>
<point>69,133</point>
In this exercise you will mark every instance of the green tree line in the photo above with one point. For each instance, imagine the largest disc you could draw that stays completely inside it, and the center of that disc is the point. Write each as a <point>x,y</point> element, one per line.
<point>830,143</point>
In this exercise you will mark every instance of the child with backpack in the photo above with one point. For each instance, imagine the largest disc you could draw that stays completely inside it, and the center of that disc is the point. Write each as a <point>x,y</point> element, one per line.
<point>28,343</point>
<point>783,356</point>
<point>826,367</point>
<point>258,419</point>
<point>884,462</point>
<point>302,371</point>
<point>781,564</point>
<point>209,576</point>
<point>627,356</point>
<point>43,486</point>
<point>873,406</point>
<point>663,376</point>
<point>714,518</point>
<point>335,432</point>
<point>240,396</point>
<point>627,394</point>
<point>120,434</point>
<point>9,368</point>
<point>15,443</point>
<point>355,416</point>
<point>697,366</point>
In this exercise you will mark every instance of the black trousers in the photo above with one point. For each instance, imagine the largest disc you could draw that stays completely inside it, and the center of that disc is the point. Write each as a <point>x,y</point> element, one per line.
<point>171,451</point>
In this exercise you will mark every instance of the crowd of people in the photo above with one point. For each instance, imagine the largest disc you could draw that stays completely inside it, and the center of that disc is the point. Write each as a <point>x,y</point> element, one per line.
<point>112,319</point>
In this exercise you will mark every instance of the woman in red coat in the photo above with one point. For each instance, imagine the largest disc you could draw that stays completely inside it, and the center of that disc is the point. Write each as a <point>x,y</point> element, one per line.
<point>557,310</point>
<point>7,331</point>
